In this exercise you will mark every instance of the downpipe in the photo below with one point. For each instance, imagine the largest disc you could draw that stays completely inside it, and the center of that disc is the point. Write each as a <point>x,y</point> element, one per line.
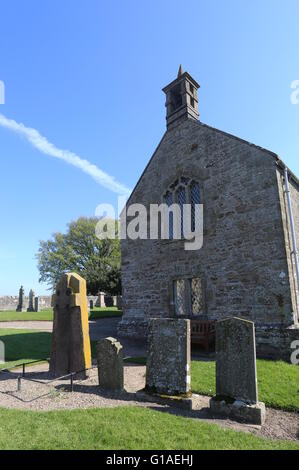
<point>295,251</point>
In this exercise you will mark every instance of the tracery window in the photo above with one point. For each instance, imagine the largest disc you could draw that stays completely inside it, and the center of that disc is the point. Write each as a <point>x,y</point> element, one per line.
<point>183,191</point>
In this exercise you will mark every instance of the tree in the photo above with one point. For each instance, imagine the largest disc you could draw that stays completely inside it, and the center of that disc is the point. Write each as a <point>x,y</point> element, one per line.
<point>79,250</point>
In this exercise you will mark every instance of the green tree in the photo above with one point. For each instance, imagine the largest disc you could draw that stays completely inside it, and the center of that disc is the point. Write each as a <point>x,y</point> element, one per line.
<point>79,250</point>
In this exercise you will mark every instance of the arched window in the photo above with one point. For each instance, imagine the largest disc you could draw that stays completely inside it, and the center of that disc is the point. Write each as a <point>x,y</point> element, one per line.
<point>183,191</point>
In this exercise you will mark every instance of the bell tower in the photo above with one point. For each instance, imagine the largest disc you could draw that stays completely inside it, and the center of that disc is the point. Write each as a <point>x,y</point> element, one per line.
<point>181,98</point>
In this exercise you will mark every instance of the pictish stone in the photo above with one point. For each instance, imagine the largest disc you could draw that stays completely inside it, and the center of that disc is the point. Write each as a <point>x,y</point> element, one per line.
<point>20,307</point>
<point>110,364</point>
<point>236,375</point>
<point>70,350</point>
<point>31,302</point>
<point>168,357</point>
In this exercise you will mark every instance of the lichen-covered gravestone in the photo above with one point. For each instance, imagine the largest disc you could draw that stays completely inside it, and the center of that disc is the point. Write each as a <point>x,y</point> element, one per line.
<point>70,350</point>
<point>236,375</point>
<point>20,307</point>
<point>31,301</point>
<point>168,357</point>
<point>110,364</point>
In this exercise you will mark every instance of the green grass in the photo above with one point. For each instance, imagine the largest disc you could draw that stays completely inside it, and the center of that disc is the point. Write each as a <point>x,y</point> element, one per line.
<point>47,314</point>
<point>137,428</point>
<point>278,382</point>
<point>104,312</point>
<point>24,346</point>
<point>43,315</point>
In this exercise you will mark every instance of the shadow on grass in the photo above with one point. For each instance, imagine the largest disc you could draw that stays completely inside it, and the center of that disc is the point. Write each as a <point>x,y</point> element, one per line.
<point>25,346</point>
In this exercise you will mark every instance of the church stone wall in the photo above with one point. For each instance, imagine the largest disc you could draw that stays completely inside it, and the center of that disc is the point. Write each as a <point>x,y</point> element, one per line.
<point>243,263</point>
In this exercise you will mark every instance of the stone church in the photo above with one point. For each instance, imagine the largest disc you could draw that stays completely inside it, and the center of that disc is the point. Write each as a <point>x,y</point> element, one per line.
<point>248,264</point>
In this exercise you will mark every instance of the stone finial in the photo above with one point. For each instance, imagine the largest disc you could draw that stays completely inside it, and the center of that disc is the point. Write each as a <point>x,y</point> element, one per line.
<point>180,71</point>
<point>70,351</point>
<point>110,364</point>
<point>168,356</point>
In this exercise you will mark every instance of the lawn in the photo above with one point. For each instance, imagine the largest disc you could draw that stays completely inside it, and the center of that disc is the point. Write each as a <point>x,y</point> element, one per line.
<point>278,381</point>
<point>137,428</point>
<point>24,346</point>
<point>47,314</point>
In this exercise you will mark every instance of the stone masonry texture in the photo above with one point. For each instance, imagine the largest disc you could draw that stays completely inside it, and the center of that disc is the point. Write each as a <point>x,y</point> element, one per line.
<point>236,376</point>
<point>168,356</point>
<point>245,264</point>
<point>70,351</point>
<point>110,364</point>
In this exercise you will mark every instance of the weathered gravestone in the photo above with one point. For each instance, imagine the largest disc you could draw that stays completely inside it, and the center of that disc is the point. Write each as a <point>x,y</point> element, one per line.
<point>31,301</point>
<point>20,307</point>
<point>91,306</point>
<point>70,350</point>
<point>236,375</point>
<point>110,364</point>
<point>36,304</point>
<point>168,357</point>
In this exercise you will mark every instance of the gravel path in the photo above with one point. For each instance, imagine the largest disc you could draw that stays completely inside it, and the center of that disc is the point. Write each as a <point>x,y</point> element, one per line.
<point>27,325</point>
<point>87,394</point>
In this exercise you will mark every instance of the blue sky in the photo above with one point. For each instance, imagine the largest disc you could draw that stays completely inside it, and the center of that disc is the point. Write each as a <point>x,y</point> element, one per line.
<point>88,76</point>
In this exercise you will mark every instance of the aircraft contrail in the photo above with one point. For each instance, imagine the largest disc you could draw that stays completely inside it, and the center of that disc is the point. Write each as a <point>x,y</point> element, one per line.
<point>43,145</point>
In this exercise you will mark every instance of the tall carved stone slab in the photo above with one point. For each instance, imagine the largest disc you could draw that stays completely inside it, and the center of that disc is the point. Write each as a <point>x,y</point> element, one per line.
<point>236,375</point>
<point>110,364</point>
<point>20,307</point>
<point>168,356</point>
<point>31,302</point>
<point>70,350</point>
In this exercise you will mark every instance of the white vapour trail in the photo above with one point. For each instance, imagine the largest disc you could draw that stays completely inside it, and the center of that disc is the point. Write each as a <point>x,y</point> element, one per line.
<point>46,147</point>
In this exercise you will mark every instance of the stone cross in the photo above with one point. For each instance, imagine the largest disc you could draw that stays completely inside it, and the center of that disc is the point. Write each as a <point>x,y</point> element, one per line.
<point>168,357</point>
<point>110,364</point>
<point>31,301</point>
<point>20,307</point>
<point>70,351</point>
<point>236,375</point>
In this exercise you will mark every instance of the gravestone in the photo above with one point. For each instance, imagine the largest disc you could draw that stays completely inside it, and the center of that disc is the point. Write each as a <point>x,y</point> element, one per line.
<point>20,307</point>
<point>36,304</point>
<point>70,351</point>
<point>110,364</point>
<point>31,302</point>
<point>168,357</point>
<point>119,302</point>
<point>236,375</point>
<point>91,306</point>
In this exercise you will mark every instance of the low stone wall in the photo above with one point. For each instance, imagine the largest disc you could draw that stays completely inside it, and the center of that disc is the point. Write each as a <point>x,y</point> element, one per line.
<point>271,342</point>
<point>275,342</point>
<point>11,302</point>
